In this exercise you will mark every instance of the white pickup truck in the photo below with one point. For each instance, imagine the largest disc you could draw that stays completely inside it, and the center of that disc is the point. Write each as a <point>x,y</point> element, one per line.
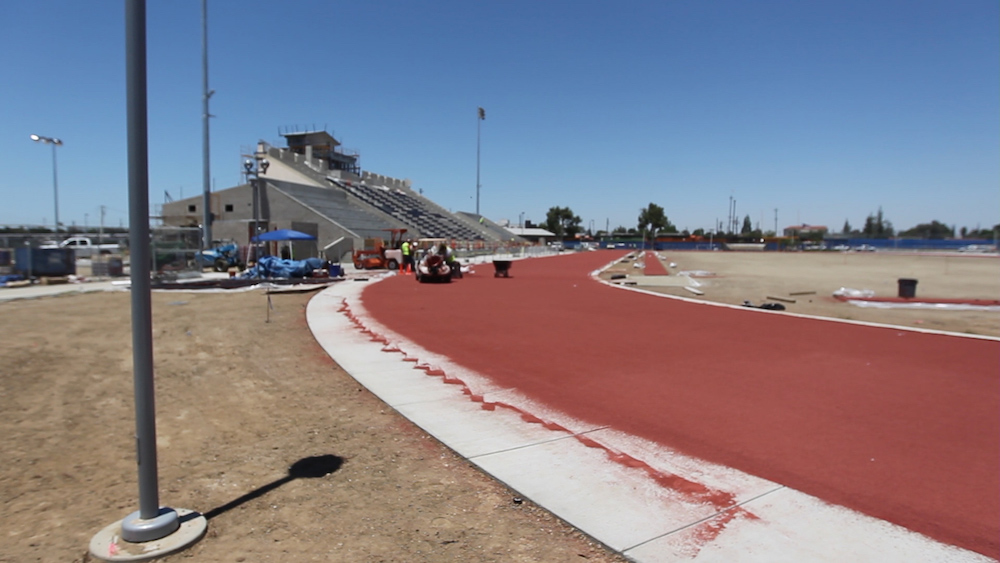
<point>83,247</point>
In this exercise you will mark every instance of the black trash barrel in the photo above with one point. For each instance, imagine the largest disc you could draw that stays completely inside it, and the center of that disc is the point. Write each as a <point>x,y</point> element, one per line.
<point>907,287</point>
<point>116,267</point>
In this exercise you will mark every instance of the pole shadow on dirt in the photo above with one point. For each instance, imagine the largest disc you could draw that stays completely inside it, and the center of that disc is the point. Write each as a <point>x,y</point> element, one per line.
<point>305,468</point>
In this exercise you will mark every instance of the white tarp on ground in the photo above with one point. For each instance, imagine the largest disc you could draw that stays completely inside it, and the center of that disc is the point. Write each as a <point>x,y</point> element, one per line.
<point>923,306</point>
<point>861,294</point>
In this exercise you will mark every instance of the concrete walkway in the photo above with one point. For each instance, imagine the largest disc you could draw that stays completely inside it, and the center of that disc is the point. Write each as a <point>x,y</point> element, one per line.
<point>638,498</point>
<point>38,290</point>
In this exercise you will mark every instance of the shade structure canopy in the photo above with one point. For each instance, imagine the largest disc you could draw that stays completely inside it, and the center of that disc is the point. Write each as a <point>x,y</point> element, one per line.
<point>282,234</point>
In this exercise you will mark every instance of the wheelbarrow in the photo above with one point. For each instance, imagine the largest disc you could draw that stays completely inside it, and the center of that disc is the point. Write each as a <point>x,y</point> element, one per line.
<point>502,268</point>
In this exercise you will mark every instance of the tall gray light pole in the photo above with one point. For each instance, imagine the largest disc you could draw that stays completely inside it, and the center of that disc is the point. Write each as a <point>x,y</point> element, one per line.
<point>206,183</point>
<point>479,123</point>
<point>151,522</point>
<point>55,177</point>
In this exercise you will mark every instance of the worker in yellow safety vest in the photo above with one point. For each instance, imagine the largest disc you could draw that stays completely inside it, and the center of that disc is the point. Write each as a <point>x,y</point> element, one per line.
<point>407,257</point>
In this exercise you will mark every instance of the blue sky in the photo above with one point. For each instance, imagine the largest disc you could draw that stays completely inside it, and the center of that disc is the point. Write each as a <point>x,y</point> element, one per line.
<point>823,110</point>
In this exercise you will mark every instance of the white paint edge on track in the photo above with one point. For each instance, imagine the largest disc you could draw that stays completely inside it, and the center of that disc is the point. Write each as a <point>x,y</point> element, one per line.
<point>630,494</point>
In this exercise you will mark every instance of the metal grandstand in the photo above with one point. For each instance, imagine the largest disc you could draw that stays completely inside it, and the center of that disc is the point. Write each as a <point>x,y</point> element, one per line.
<point>363,202</point>
<point>337,207</point>
<point>410,209</point>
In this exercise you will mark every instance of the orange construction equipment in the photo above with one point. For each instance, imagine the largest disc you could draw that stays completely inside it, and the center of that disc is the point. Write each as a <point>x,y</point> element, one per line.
<point>376,255</point>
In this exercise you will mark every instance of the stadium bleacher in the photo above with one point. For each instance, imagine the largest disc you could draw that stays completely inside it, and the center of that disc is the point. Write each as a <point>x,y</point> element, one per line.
<point>334,205</point>
<point>411,210</point>
<point>367,207</point>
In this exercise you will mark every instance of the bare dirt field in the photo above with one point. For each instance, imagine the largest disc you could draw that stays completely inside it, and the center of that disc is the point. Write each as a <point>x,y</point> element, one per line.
<point>804,283</point>
<point>240,400</point>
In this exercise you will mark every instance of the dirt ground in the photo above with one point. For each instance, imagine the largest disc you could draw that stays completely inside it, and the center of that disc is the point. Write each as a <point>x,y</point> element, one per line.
<point>804,283</point>
<point>240,400</point>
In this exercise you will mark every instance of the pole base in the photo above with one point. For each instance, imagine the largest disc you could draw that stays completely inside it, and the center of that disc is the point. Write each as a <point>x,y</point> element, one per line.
<point>135,529</point>
<point>108,544</point>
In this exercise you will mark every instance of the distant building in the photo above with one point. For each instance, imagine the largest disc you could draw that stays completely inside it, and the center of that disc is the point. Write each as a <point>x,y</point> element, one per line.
<point>800,231</point>
<point>532,234</point>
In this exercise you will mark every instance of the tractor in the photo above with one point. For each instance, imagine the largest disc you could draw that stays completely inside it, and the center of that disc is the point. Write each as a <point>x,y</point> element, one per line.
<point>220,258</point>
<point>376,255</point>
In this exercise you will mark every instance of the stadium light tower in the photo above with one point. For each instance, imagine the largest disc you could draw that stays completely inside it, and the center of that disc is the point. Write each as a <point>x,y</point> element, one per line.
<point>206,180</point>
<point>55,177</point>
<point>479,125</point>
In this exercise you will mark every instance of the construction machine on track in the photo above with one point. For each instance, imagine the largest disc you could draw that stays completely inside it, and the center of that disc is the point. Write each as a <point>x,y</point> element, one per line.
<point>377,256</point>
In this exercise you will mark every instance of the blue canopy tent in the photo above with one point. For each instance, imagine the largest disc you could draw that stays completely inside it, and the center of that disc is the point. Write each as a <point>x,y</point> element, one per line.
<point>282,235</point>
<point>270,266</point>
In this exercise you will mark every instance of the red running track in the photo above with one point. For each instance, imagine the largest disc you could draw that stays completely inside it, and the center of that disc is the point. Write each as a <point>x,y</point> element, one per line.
<point>900,425</point>
<point>653,266</point>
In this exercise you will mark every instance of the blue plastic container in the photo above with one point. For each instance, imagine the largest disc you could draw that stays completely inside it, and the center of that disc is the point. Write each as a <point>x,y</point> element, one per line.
<point>45,261</point>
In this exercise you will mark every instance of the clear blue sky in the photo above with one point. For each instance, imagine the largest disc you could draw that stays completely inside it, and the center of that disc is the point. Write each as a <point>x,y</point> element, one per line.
<point>824,110</point>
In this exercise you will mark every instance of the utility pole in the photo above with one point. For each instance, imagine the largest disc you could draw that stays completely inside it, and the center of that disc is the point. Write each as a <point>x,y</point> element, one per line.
<point>729,217</point>
<point>100,233</point>
<point>733,228</point>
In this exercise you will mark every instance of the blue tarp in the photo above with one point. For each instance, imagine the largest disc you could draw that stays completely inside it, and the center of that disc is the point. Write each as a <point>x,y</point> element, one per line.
<point>274,267</point>
<point>10,278</point>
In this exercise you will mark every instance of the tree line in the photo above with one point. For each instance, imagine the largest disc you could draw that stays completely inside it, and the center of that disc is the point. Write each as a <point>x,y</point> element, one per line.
<point>652,220</point>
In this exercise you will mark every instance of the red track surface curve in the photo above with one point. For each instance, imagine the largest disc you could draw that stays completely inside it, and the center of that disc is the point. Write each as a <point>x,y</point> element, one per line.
<point>900,425</point>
